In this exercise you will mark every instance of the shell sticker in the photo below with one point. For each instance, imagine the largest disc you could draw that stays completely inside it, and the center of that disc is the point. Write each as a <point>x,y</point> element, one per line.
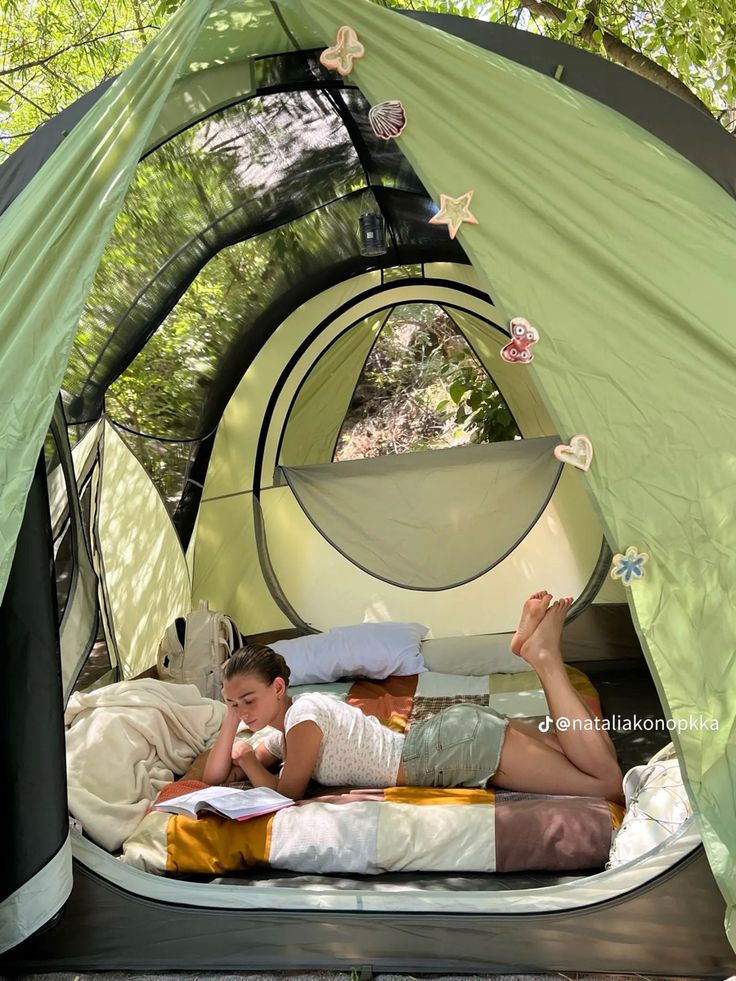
<point>387,119</point>
<point>341,55</point>
<point>579,453</point>
<point>629,566</point>
<point>453,212</point>
<point>523,335</point>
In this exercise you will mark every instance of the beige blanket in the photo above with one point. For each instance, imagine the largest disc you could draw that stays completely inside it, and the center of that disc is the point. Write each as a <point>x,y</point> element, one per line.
<point>124,743</point>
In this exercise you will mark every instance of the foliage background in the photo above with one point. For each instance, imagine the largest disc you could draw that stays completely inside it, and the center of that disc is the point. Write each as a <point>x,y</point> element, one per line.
<point>52,51</point>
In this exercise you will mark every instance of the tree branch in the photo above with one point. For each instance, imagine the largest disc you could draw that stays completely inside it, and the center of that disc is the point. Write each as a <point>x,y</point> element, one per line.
<point>70,47</point>
<point>60,78</point>
<point>621,53</point>
<point>139,20</point>
<point>25,98</point>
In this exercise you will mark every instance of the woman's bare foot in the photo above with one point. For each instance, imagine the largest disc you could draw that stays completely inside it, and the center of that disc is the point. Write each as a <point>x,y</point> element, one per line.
<point>532,614</point>
<point>544,643</point>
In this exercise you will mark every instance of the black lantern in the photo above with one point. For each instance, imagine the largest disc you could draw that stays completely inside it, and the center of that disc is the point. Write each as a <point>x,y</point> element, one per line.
<point>372,234</point>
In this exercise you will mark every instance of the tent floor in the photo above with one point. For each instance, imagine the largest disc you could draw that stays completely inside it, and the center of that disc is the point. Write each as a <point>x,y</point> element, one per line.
<point>626,690</point>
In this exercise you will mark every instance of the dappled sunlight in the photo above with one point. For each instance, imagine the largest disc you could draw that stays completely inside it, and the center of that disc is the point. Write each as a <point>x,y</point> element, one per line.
<point>145,575</point>
<point>228,33</point>
<point>228,177</point>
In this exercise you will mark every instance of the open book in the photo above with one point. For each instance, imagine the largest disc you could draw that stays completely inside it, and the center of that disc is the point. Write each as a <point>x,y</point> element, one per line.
<point>227,802</point>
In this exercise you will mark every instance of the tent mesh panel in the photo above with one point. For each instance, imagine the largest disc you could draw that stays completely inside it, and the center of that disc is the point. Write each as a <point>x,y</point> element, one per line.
<point>272,187</point>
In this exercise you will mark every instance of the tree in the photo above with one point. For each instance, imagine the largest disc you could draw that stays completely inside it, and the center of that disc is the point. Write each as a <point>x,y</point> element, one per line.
<point>51,51</point>
<point>686,46</point>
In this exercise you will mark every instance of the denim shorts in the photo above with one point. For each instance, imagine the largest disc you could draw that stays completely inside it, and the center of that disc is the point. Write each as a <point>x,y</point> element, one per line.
<point>459,747</point>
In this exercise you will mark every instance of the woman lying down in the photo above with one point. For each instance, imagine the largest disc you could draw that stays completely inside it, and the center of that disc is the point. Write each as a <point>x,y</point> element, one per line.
<point>462,746</point>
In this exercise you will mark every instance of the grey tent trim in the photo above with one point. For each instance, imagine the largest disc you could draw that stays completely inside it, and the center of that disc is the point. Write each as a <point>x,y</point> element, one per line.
<point>597,578</point>
<point>709,147</point>
<point>609,887</point>
<point>21,913</point>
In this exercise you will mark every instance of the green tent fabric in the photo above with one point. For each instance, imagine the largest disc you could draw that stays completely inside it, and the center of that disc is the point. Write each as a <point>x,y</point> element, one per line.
<point>619,251</point>
<point>51,240</point>
<point>395,515</point>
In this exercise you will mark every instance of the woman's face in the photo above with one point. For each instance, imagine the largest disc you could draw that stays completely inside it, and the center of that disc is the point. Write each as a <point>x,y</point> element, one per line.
<point>256,703</point>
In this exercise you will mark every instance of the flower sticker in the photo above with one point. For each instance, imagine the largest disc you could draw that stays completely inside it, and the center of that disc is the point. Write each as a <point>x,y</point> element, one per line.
<point>629,566</point>
<point>344,52</point>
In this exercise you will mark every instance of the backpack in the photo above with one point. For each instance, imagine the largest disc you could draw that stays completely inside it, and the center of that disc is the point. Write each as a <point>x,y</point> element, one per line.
<point>194,648</point>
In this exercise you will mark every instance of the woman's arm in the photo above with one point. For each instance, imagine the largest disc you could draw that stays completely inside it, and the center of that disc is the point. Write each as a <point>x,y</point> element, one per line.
<point>219,761</point>
<point>243,750</point>
<point>302,749</point>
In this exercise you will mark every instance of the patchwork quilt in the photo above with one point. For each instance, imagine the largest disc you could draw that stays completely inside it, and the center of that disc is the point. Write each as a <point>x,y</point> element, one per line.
<point>368,831</point>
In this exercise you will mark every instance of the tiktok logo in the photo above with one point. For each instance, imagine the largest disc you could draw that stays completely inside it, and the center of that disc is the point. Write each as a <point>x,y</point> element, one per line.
<point>546,724</point>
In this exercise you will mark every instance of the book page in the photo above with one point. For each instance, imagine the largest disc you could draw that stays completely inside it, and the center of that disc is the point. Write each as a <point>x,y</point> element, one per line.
<point>229,802</point>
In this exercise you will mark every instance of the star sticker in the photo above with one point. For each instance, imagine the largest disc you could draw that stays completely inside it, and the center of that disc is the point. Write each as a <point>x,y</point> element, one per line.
<point>341,55</point>
<point>453,212</point>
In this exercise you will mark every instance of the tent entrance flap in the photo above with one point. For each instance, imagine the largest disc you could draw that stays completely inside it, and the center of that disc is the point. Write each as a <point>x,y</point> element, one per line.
<point>430,520</point>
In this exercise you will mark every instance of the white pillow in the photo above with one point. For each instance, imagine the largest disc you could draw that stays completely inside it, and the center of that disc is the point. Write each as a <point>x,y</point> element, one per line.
<point>481,654</point>
<point>656,806</point>
<point>365,650</point>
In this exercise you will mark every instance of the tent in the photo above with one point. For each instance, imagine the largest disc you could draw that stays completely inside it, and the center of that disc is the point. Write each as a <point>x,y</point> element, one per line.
<point>604,216</point>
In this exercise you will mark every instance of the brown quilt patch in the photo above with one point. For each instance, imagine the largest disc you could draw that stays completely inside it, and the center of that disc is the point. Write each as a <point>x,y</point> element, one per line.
<point>558,834</point>
<point>390,700</point>
<point>425,706</point>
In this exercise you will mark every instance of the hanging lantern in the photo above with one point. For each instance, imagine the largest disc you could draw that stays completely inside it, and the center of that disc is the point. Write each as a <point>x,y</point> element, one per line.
<point>372,234</point>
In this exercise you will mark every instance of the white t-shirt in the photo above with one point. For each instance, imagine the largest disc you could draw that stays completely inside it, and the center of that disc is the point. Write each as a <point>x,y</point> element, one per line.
<point>356,749</point>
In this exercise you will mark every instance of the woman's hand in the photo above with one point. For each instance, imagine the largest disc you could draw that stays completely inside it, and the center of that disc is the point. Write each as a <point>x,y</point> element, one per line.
<point>241,750</point>
<point>219,761</point>
<point>232,718</point>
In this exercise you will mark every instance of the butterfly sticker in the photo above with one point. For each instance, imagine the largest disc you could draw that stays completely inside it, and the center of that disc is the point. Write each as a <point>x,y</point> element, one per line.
<point>518,349</point>
<point>341,55</point>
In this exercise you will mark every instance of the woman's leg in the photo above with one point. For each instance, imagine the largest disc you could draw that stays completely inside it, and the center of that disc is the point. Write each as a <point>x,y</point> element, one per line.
<point>530,766</point>
<point>532,614</point>
<point>588,747</point>
<point>584,761</point>
<point>530,730</point>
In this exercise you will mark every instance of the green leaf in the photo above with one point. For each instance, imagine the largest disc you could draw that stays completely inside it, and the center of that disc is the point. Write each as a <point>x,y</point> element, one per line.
<point>167,7</point>
<point>457,390</point>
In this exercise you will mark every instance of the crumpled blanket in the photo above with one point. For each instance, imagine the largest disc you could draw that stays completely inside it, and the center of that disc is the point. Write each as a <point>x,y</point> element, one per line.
<point>124,743</point>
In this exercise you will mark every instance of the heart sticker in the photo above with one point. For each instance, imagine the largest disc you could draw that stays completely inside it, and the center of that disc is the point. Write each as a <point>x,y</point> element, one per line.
<point>523,335</point>
<point>579,453</point>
